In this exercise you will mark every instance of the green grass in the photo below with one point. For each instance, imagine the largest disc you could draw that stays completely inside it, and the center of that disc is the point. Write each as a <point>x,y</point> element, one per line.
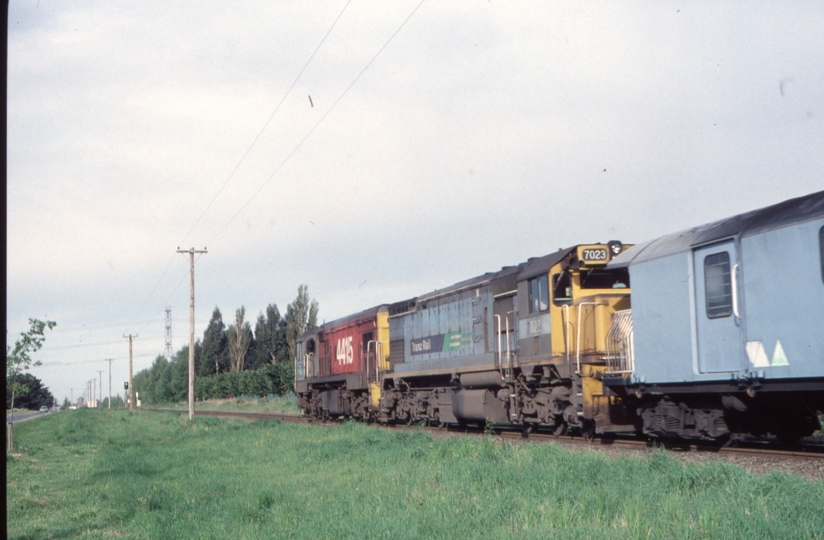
<point>278,405</point>
<point>104,474</point>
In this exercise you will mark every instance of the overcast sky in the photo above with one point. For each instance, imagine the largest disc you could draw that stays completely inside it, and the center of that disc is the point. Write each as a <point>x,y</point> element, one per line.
<point>423,144</point>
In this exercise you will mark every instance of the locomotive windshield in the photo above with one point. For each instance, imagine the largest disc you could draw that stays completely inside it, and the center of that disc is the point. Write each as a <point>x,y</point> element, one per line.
<point>601,278</point>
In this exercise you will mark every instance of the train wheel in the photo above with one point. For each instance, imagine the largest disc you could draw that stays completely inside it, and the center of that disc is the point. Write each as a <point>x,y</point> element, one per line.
<point>561,428</point>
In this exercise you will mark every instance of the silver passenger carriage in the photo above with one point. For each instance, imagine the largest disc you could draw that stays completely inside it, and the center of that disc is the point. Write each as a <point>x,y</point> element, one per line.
<point>726,331</point>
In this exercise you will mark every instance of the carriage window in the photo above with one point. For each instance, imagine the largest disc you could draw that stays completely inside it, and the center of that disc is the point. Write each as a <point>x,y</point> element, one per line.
<point>717,285</point>
<point>821,250</point>
<point>562,289</point>
<point>538,294</point>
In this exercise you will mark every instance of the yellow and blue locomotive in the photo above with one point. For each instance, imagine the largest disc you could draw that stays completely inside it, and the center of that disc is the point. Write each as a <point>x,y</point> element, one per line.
<point>524,346</point>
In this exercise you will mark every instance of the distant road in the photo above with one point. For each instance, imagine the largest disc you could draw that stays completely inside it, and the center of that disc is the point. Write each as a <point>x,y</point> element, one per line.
<point>22,417</point>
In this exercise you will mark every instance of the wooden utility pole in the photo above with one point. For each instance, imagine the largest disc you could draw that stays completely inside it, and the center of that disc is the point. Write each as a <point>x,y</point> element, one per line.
<point>191,253</point>
<point>109,360</point>
<point>131,382</point>
<point>100,391</point>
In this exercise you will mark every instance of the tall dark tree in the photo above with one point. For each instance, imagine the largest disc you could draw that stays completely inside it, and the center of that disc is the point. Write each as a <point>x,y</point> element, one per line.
<point>198,357</point>
<point>301,314</point>
<point>282,344</point>
<point>239,336</point>
<point>177,375</point>
<point>157,382</point>
<point>270,338</point>
<point>215,347</point>
<point>140,384</point>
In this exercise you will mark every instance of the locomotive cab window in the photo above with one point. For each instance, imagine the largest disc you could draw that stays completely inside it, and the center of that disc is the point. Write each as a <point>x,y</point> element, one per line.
<point>562,289</point>
<point>605,279</point>
<point>538,294</point>
<point>717,284</point>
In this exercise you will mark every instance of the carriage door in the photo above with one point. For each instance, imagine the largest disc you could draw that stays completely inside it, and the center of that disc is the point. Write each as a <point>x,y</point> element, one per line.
<point>717,310</point>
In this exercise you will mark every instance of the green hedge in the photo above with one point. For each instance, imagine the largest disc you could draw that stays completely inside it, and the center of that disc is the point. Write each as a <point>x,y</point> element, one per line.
<point>269,379</point>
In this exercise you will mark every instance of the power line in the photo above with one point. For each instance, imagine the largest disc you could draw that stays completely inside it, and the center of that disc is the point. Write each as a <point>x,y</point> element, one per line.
<point>242,159</point>
<point>79,346</point>
<point>55,364</point>
<point>322,118</point>
<point>69,329</point>
<point>267,122</point>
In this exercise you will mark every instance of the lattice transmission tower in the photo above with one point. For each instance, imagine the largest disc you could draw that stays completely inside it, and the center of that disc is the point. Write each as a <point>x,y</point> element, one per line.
<point>168,352</point>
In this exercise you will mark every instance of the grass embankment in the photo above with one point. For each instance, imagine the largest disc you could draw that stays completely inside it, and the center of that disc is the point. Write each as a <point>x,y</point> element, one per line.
<point>102,474</point>
<point>277,405</point>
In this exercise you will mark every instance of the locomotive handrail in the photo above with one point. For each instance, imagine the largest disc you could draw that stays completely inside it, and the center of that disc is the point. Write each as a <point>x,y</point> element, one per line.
<point>565,316</point>
<point>307,365</point>
<point>508,352</point>
<point>578,344</point>
<point>499,351</point>
<point>368,343</point>
<point>734,285</point>
<point>378,357</point>
<point>378,345</point>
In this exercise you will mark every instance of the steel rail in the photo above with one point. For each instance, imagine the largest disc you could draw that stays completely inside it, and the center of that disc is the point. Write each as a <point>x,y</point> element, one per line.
<point>805,452</point>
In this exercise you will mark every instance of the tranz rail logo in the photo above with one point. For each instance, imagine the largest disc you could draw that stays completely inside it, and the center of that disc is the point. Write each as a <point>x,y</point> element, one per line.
<point>345,353</point>
<point>439,343</point>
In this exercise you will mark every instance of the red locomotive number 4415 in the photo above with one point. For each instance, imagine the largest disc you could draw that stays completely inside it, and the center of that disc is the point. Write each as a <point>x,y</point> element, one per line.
<point>345,354</point>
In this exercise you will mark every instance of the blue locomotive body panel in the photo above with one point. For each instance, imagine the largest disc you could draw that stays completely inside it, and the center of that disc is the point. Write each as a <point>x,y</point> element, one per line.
<point>453,329</point>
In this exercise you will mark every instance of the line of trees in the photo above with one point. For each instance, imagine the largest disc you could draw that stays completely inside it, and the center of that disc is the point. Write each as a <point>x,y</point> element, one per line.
<point>234,360</point>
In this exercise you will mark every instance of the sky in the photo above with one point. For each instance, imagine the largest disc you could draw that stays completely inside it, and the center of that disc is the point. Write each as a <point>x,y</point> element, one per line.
<point>371,150</point>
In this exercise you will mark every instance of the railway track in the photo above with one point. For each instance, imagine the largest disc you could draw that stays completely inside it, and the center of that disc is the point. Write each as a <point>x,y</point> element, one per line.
<point>749,449</point>
<point>756,449</point>
<point>248,416</point>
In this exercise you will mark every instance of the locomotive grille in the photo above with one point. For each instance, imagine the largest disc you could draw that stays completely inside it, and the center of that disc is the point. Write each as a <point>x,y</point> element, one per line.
<point>620,344</point>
